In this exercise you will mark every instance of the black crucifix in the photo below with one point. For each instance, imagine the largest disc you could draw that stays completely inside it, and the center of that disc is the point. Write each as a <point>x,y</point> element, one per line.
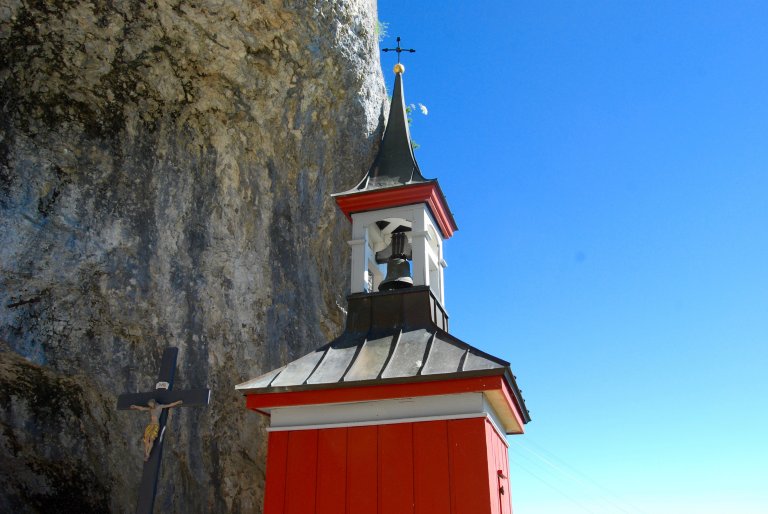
<point>398,49</point>
<point>163,395</point>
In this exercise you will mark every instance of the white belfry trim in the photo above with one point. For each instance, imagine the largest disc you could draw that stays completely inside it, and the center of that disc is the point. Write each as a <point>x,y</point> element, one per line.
<point>384,412</point>
<point>425,239</point>
<point>357,280</point>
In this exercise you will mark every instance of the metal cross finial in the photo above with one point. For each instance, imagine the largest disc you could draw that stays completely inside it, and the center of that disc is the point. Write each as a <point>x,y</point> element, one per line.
<point>398,49</point>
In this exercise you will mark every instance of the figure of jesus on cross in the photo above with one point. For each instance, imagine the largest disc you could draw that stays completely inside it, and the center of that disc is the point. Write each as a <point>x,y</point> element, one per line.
<point>153,429</point>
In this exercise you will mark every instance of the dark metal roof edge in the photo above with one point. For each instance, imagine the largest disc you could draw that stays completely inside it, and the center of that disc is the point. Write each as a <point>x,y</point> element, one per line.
<point>506,373</point>
<point>377,381</point>
<point>354,190</point>
<point>512,383</point>
<point>447,207</point>
<point>472,349</point>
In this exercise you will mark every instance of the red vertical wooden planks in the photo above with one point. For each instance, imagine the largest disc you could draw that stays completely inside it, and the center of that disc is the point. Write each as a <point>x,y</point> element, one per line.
<point>493,467</point>
<point>509,480</point>
<point>498,460</point>
<point>504,467</point>
<point>277,462</point>
<point>430,467</point>
<point>396,468</point>
<point>331,471</point>
<point>431,475</point>
<point>362,470</point>
<point>469,467</point>
<point>301,477</point>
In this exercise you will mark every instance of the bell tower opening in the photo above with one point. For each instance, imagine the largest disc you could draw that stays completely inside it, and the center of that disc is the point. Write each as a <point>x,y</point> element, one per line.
<point>396,248</point>
<point>395,256</point>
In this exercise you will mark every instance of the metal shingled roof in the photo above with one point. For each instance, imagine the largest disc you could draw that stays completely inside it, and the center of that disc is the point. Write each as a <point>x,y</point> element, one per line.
<point>398,336</point>
<point>377,357</point>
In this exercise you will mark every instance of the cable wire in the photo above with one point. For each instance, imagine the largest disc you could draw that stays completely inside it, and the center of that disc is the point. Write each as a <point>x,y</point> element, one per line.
<point>607,496</point>
<point>553,487</point>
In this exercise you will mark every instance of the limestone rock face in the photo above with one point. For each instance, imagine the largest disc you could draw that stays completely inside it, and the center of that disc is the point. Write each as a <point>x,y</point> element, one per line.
<point>165,171</point>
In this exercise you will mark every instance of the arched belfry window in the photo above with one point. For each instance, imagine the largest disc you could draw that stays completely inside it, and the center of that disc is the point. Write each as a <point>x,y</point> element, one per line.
<point>410,232</point>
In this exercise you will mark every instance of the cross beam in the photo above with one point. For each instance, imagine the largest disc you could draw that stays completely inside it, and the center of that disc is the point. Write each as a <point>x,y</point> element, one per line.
<point>163,394</point>
<point>398,49</point>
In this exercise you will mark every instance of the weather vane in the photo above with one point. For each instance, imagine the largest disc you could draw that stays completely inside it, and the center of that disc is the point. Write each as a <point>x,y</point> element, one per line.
<point>398,50</point>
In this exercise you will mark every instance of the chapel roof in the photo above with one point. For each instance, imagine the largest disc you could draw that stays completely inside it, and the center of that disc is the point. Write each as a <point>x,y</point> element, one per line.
<point>398,336</point>
<point>391,337</point>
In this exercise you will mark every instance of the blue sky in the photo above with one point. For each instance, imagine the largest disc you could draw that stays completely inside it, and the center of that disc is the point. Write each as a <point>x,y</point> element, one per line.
<point>607,164</point>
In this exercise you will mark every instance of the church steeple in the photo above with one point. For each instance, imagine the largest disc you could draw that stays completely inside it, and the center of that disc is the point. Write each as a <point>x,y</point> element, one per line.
<point>394,198</point>
<point>395,166</point>
<point>395,414</point>
<point>395,163</point>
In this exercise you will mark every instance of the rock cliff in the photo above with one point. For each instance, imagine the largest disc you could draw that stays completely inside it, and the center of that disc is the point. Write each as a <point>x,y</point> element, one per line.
<point>165,171</point>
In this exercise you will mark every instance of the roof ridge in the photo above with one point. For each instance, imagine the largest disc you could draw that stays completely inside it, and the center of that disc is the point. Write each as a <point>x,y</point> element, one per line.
<point>352,361</point>
<point>473,349</point>
<point>427,352</point>
<point>463,359</point>
<point>319,361</point>
<point>277,372</point>
<point>392,350</point>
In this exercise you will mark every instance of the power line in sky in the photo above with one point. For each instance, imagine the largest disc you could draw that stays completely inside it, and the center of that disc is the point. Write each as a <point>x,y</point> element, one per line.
<point>552,486</point>
<point>605,495</point>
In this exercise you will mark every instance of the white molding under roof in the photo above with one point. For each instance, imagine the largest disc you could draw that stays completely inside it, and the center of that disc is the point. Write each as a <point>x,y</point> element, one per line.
<point>383,412</point>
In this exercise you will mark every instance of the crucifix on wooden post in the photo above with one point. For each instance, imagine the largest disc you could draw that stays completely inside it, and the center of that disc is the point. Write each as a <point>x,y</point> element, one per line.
<point>158,402</point>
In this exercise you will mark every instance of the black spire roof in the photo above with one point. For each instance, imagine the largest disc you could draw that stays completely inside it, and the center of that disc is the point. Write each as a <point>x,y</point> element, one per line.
<point>395,167</point>
<point>395,164</point>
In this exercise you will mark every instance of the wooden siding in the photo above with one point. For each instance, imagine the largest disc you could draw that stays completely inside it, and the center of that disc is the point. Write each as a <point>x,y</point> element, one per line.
<point>498,461</point>
<point>331,465</point>
<point>429,467</point>
<point>362,469</point>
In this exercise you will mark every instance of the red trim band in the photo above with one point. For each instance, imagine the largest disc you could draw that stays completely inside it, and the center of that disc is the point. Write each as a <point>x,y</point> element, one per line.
<point>428,193</point>
<point>258,401</point>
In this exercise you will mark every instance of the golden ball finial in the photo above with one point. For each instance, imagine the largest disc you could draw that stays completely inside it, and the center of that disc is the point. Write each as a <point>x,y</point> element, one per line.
<point>399,68</point>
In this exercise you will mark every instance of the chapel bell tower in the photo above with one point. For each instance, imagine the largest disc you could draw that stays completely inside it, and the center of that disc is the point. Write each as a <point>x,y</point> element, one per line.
<point>395,415</point>
<point>398,217</point>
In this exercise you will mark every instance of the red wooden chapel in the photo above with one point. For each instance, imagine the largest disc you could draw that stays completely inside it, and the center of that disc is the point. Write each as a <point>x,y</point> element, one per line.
<point>395,416</point>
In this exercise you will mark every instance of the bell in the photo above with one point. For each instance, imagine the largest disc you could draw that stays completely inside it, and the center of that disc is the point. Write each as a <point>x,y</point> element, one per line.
<point>398,275</point>
<point>398,269</point>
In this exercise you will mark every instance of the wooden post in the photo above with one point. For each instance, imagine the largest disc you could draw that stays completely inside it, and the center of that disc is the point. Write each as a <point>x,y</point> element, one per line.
<point>163,394</point>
